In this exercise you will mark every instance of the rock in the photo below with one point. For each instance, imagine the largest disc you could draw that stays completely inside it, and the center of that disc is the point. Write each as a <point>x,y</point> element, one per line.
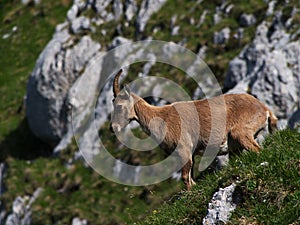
<point>80,99</point>
<point>228,9</point>
<point>217,16</point>
<point>247,20</point>
<point>294,121</point>
<point>131,9</point>
<point>237,72</point>
<point>275,85</point>
<point>58,66</point>
<point>21,213</point>
<point>117,41</point>
<point>222,36</point>
<point>271,7</point>
<point>175,30</point>
<point>221,206</point>
<point>78,221</point>
<point>72,13</point>
<point>202,18</point>
<point>239,34</point>
<point>148,7</point>
<point>80,24</point>
<point>27,2</point>
<point>202,52</point>
<point>256,70</point>
<point>118,9</point>
<point>100,5</point>
<point>81,4</point>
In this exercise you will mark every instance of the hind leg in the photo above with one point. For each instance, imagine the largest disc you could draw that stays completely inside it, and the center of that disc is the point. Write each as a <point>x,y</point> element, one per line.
<point>186,174</point>
<point>246,139</point>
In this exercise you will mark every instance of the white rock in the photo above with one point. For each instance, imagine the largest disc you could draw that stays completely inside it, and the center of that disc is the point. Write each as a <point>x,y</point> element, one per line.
<point>221,206</point>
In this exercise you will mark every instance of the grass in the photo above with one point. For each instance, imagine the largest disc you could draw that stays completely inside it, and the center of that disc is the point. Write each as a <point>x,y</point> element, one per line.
<point>18,53</point>
<point>77,191</point>
<point>269,194</point>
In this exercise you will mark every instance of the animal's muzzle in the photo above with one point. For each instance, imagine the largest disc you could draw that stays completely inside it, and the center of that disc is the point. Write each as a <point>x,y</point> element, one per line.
<point>115,128</point>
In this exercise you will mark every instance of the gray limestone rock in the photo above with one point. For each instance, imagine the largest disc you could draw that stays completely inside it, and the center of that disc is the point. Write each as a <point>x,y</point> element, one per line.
<point>72,13</point>
<point>21,213</point>
<point>294,121</point>
<point>118,9</point>
<point>247,20</point>
<point>78,221</point>
<point>221,206</point>
<point>222,36</point>
<point>257,69</point>
<point>100,5</point>
<point>131,9</point>
<point>237,72</point>
<point>80,24</point>
<point>57,68</point>
<point>148,7</point>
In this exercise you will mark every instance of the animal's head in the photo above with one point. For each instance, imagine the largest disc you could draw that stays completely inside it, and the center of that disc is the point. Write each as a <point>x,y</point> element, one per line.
<point>123,106</point>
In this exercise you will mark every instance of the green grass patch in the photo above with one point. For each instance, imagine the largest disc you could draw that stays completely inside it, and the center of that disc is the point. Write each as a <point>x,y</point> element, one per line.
<point>77,191</point>
<point>270,193</point>
<point>34,28</point>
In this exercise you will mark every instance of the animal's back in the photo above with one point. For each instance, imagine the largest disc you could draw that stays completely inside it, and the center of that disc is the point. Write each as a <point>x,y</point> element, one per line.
<point>217,116</point>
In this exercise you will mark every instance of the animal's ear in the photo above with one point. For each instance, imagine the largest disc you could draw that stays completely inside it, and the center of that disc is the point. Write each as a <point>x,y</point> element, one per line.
<point>127,91</point>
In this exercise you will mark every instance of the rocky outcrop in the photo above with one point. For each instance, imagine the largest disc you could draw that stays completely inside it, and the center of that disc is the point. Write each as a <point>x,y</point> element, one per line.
<point>57,68</point>
<point>66,58</point>
<point>268,68</point>
<point>21,213</point>
<point>221,206</point>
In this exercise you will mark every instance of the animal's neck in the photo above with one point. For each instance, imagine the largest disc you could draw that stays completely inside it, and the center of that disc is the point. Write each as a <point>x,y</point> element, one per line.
<point>145,113</point>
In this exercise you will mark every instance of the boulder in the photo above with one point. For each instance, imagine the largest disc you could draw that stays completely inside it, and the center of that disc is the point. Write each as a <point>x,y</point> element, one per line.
<point>57,68</point>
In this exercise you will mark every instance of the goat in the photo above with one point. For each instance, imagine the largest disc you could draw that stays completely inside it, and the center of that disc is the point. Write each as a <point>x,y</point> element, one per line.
<point>245,117</point>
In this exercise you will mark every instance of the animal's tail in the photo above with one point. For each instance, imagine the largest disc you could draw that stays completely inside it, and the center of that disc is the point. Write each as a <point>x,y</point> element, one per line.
<point>272,121</point>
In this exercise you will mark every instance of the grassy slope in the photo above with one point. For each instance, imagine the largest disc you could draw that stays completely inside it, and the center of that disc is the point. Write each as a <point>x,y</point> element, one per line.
<point>18,53</point>
<point>78,191</point>
<point>270,194</point>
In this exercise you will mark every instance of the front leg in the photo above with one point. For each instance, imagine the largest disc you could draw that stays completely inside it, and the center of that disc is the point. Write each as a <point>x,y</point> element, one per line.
<point>186,172</point>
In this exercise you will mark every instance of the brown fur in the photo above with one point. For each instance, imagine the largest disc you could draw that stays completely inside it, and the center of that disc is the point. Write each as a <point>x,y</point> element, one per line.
<point>238,116</point>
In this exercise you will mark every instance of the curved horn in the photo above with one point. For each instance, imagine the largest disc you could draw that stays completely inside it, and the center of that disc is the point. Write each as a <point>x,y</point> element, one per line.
<point>116,88</point>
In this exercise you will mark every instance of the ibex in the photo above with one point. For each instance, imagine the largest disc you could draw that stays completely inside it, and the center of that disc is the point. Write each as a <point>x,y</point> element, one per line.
<point>245,117</point>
